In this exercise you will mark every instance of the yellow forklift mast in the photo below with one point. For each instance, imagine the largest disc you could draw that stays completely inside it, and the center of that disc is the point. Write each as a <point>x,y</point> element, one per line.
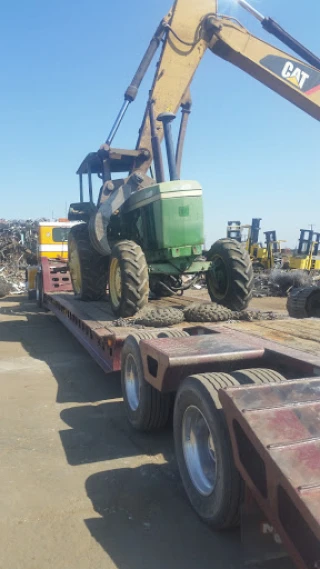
<point>262,257</point>
<point>307,257</point>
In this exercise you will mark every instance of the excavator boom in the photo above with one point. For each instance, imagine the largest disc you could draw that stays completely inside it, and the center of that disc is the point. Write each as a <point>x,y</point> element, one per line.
<point>193,27</point>
<point>181,55</point>
<point>288,76</point>
<point>185,34</point>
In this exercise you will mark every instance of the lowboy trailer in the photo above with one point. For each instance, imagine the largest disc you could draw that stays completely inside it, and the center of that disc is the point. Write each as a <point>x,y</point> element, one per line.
<point>246,414</point>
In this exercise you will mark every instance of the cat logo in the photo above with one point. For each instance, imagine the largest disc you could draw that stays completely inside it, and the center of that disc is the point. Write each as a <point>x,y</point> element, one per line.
<point>294,74</point>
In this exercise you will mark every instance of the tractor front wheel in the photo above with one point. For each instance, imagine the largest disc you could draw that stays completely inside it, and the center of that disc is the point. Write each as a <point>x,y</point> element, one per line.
<point>88,269</point>
<point>128,279</point>
<point>230,277</point>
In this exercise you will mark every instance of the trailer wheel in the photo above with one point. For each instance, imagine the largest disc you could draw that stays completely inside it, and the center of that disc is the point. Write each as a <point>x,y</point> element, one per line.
<point>88,269</point>
<point>147,409</point>
<point>257,376</point>
<point>39,290</point>
<point>230,277</point>
<point>32,294</point>
<point>128,279</point>
<point>203,450</point>
<point>207,312</point>
<point>304,302</point>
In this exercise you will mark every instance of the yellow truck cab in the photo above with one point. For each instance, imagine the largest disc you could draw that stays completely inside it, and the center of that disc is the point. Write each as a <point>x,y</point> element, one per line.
<point>53,239</point>
<point>52,245</point>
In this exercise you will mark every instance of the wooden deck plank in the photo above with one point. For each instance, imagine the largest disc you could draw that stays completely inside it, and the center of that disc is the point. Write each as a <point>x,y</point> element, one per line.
<point>285,332</point>
<point>299,334</point>
<point>307,329</point>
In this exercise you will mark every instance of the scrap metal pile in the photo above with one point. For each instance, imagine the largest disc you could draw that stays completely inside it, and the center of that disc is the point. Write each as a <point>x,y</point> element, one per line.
<point>18,248</point>
<point>279,283</point>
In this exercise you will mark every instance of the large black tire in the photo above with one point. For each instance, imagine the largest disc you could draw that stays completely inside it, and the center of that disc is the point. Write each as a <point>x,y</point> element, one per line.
<point>160,317</point>
<point>147,409</point>
<point>88,269</point>
<point>207,312</point>
<point>304,302</point>
<point>217,495</point>
<point>230,278</point>
<point>128,279</point>
<point>258,376</point>
<point>39,290</point>
<point>40,293</point>
<point>32,294</point>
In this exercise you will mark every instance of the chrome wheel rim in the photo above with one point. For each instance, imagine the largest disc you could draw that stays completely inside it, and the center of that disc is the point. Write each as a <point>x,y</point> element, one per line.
<point>199,451</point>
<point>132,383</point>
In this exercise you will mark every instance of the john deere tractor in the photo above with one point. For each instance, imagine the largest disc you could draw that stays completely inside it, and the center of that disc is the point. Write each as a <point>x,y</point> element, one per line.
<point>144,235</point>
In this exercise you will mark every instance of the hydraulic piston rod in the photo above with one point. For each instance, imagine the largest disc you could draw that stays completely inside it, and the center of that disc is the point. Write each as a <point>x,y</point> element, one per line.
<point>133,88</point>
<point>251,9</point>
<point>273,28</point>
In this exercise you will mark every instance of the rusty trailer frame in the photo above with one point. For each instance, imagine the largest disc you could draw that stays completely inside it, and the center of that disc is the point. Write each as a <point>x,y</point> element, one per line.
<point>274,429</point>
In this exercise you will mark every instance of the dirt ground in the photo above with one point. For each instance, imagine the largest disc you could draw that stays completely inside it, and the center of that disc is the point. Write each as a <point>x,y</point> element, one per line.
<point>79,489</point>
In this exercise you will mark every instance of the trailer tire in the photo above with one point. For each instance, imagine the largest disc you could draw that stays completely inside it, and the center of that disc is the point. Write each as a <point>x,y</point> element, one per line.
<point>304,302</point>
<point>207,312</point>
<point>39,291</point>
<point>32,294</point>
<point>160,317</point>
<point>88,269</point>
<point>258,376</point>
<point>209,475</point>
<point>128,279</point>
<point>147,409</point>
<point>230,278</point>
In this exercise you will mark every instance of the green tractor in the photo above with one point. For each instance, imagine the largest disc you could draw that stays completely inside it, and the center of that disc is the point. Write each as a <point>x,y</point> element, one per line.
<point>144,236</point>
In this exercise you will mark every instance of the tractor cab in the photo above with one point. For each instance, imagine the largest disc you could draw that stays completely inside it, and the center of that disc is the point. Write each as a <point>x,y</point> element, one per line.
<point>103,164</point>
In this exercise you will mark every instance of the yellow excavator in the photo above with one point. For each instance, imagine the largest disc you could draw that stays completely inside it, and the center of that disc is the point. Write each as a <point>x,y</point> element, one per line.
<point>145,233</point>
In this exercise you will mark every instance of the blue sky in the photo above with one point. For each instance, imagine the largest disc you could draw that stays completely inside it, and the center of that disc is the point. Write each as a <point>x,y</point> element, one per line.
<point>65,67</point>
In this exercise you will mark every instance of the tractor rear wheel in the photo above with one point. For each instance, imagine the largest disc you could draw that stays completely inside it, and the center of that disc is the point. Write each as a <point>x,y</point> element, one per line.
<point>128,279</point>
<point>88,269</point>
<point>230,277</point>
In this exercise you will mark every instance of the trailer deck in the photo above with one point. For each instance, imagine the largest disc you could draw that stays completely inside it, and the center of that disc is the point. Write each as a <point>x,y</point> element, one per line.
<point>93,325</point>
<point>273,428</point>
